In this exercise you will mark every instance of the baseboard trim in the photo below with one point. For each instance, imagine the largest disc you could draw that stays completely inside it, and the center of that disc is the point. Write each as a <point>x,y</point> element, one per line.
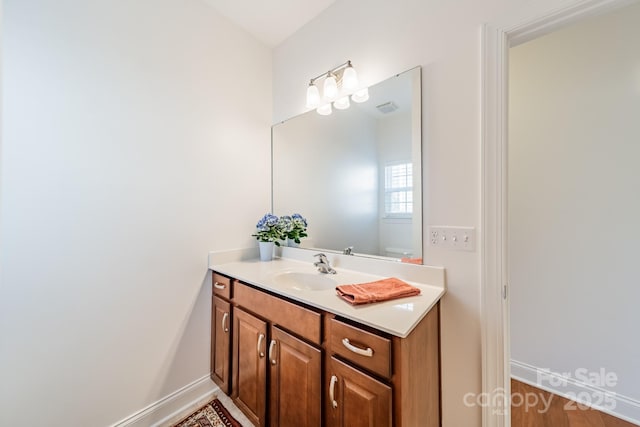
<point>174,406</point>
<point>603,400</point>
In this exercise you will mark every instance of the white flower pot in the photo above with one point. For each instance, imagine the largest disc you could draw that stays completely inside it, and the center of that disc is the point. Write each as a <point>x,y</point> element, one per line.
<point>266,250</point>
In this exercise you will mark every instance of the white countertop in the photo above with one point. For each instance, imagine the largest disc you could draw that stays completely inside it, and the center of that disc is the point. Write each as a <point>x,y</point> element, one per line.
<point>397,317</point>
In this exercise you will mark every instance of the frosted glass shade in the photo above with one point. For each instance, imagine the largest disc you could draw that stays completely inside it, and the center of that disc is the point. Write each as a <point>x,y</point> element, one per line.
<point>360,96</point>
<point>342,103</point>
<point>330,89</point>
<point>349,79</point>
<point>324,110</point>
<point>313,96</point>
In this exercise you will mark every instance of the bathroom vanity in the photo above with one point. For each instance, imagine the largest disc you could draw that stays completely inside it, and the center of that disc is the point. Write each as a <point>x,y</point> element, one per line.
<point>290,352</point>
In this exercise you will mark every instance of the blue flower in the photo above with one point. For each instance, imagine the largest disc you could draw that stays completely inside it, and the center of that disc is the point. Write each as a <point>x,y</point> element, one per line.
<point>299,221</point>
<point>298,228</point>
<point>285,223</point>
<point>268,229</point>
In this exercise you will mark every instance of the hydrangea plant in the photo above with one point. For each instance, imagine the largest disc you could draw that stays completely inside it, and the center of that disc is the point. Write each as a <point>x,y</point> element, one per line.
<point>298,228</point>
<point>269,229</point>
<point>286,224</point>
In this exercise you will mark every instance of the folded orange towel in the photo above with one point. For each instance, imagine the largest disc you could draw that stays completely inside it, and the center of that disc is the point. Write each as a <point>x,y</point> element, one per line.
<point>412,260</point>
<point>381,290</point>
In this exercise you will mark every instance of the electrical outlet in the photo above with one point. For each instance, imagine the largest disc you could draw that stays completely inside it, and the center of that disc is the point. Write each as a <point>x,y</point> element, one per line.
<point>454,238</point>
<point>434,237</point>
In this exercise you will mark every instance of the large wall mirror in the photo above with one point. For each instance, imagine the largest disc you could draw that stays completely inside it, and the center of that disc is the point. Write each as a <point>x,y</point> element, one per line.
<point>356,174</point>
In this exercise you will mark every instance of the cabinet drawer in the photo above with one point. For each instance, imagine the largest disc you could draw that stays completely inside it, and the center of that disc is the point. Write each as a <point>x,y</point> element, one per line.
<point>297,319</point>
<point>221,285</point>
<point>368,350</point>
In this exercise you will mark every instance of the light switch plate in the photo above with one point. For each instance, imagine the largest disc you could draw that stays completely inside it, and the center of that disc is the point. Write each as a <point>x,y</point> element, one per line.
<point>454,238</point>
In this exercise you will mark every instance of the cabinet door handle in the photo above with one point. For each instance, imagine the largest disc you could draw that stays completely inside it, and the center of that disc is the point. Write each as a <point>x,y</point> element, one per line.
<point>271,345</point>
<point>224,322</point>
<point>332,390</point>
<point>260,339</point>
<point>368,352</point>
<point>218,286</point>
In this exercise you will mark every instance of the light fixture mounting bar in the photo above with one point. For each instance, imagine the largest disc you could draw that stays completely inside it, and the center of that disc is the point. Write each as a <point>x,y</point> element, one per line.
<point>332,71</point>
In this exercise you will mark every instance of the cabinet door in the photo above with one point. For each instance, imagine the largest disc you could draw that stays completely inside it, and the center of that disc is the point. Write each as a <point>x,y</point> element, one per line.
<point>295,376</point>
<point>355,399</point>
<point>221,343</point>
<point>249,385</point>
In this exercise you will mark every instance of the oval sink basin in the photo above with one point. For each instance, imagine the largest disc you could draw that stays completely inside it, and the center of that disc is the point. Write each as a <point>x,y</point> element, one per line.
<point>305,281</point>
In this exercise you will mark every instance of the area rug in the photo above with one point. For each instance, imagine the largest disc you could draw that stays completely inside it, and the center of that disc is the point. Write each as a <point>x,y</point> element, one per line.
<point>213,414</point>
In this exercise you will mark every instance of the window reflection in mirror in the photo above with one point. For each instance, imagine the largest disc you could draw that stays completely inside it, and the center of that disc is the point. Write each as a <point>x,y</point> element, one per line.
<point>356,174</point>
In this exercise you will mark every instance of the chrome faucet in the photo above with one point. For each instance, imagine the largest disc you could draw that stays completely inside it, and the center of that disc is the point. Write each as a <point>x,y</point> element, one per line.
<point>348,250</point>
<point>323,264</point>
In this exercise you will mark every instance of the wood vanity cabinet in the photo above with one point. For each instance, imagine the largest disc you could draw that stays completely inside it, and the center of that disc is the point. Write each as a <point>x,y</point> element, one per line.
<point>221,333</point>
<point>250,366</point>
<point>297,366</point>
<point>294,391</point>
<point>355,396</point>
<point>293,357</point>
<point>356,399</point>
<point>221,343</point>
<point>295,381</point>
<point>380,379</point>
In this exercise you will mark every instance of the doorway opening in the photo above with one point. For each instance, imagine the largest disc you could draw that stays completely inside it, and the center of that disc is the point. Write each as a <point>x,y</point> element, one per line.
<point>550,337</point>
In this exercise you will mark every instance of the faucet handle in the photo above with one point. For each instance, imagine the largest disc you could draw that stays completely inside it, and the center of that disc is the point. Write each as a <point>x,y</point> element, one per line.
<point>323,264</point>
<point>323,258</point>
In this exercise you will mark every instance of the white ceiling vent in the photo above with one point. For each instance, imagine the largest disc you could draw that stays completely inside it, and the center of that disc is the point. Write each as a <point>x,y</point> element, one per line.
<point>387,107</point>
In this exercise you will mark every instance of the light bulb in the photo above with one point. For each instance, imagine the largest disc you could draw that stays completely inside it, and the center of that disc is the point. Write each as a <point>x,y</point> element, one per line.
<point>360,96</point>
<point>349,79</point>
<point>324,110</point>
<point>313,96</point>
<point>342,103</point>
<point>330,88</point>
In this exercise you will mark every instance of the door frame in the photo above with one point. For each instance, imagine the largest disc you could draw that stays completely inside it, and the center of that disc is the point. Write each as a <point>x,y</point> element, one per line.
<point>496,41</point>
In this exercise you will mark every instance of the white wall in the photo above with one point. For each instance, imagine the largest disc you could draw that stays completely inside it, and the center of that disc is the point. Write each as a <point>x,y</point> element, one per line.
<point>383,38</point>
<point>130,129</point>
<point>573,200</point>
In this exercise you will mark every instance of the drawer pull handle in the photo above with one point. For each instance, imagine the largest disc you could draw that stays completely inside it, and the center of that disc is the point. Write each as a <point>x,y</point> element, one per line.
<point>271,345</point>
<point>224,322</point>
<point>368,352</point>
<point>260,339</point>
<point>218,286</point>
<point>332,388</point>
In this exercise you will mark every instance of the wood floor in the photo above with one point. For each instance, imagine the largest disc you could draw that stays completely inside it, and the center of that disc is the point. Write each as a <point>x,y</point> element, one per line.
<point>560,413</point>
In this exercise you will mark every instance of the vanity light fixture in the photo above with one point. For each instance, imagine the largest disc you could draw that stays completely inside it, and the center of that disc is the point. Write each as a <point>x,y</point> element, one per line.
<point>349,78</point>
<point>330,89</point>
<point>313,96</point>
<point>339,83</point>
